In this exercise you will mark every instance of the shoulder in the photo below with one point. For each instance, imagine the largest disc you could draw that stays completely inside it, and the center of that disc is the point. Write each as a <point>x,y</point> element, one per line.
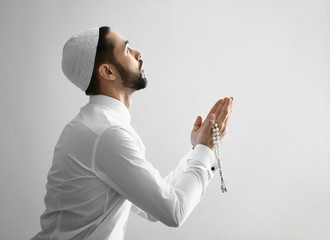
<point>100,120</point>
<point>119,134</point>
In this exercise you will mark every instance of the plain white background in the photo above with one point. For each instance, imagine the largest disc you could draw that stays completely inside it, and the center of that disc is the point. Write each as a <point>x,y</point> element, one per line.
<point>272,56</point>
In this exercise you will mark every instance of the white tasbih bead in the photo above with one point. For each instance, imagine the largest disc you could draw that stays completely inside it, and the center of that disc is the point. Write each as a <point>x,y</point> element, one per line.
<point>216,149</point>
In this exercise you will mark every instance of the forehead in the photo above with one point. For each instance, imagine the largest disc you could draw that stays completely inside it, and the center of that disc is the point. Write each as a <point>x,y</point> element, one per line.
<point>117,39</point>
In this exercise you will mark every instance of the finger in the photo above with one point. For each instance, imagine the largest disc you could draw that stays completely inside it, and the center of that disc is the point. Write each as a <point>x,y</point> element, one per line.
<point>214,108</point>
<point>198,123</point>
<point>220,107</point>
<point>223,122</point>
<point>227,120</point>
<point>231,104</point>
<point>229,108</point>
<point>224,111</point>
<point>224,127</point>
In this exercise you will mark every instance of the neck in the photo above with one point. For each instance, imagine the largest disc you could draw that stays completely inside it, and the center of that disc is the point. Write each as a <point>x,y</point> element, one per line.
<point>125,96</point>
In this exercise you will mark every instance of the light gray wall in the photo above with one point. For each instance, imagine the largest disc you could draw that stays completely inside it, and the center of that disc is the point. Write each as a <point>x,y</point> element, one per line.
<point>272,56</point>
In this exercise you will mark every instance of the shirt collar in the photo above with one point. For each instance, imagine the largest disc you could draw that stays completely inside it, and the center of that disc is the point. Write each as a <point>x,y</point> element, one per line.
<point>113,104</point>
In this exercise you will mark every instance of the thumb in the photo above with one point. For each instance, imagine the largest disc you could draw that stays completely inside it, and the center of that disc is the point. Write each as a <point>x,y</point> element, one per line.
<point>198,123</point>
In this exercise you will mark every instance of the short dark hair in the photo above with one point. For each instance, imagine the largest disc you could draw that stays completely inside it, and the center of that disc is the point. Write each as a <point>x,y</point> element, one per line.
<point>104,54</point>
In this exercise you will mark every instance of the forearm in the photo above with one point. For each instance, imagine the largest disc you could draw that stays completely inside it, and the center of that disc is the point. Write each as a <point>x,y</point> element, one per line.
<point>192,184</point>
<point>189,180</point>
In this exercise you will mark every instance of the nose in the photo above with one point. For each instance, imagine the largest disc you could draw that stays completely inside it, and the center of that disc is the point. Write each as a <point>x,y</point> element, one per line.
<point>138,55</point>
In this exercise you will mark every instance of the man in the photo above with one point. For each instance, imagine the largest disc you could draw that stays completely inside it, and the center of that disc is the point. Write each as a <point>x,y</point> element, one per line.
<point>99,171</point>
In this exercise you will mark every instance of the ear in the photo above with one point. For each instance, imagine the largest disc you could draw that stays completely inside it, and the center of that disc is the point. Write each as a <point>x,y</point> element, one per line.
<point>106,71</point>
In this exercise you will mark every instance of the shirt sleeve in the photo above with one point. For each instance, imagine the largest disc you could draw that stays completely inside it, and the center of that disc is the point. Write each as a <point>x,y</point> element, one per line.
<point>142,213</point>
<point>121,163</point>
<point>175,175</point>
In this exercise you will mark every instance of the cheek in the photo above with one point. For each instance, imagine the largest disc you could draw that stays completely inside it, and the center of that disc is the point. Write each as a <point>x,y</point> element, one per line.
<point>130,63</point>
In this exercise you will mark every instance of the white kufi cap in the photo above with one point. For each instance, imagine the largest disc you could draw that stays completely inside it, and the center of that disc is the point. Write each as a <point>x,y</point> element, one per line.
<point>78,57</point>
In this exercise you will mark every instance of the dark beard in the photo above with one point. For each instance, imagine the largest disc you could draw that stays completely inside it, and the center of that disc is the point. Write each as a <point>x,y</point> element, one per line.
<point>130,79</point>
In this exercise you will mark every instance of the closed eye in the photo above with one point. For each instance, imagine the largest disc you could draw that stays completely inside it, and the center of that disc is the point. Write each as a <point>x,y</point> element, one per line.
<point>127,49</point>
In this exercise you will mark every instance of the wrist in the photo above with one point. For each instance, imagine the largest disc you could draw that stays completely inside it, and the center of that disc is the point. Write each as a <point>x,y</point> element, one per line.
<point>205,155</point>
<point>210,146</point>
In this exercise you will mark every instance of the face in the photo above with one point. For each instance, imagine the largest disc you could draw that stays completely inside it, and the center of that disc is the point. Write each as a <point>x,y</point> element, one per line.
<point>128,63</point>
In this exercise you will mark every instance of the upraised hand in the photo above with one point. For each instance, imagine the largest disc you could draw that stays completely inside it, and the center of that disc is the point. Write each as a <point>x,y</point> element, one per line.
<point>220,114</point>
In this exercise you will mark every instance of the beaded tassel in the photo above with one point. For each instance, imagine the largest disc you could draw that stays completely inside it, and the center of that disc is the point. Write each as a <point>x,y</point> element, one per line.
<point>216,149</point>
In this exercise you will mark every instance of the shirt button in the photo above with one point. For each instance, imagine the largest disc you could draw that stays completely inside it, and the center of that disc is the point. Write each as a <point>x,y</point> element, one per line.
<point>212,168</point>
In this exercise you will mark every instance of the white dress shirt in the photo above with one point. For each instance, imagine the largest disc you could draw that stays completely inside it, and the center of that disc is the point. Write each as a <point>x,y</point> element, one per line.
<point>99,170</point>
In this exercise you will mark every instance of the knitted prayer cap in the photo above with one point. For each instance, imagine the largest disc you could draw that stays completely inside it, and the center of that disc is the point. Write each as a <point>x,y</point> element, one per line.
<point>78,57</point>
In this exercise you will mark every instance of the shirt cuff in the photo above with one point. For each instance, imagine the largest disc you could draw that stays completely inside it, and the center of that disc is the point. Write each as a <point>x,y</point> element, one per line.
<point>205,156</point>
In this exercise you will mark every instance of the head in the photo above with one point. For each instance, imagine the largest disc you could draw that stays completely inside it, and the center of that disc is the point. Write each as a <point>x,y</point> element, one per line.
<point>99,60</point>
<point>115,60</point>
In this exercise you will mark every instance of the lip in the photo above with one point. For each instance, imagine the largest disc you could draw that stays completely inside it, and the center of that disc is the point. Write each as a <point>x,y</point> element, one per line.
<point>142,70</point>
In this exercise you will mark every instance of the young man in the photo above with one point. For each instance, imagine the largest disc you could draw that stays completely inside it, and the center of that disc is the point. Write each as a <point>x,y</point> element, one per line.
<point>99,171</point>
